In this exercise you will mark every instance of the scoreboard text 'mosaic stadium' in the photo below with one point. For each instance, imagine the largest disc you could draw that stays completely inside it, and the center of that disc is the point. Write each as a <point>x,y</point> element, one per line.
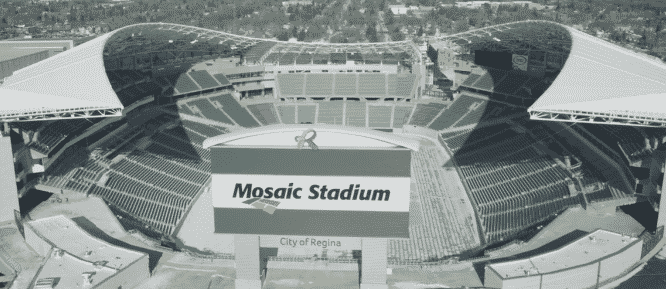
<point>335,190</point>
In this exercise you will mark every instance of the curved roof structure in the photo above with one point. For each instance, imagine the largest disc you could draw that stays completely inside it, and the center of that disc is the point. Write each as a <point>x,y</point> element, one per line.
<point>597,79</point>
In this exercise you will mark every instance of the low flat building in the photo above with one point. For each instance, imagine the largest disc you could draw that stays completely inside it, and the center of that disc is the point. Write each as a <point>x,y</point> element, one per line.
<point>79,260</point>
<point>584,263</point>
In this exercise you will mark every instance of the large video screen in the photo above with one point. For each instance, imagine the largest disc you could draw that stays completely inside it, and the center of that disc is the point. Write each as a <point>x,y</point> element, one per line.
<point>499,60</point>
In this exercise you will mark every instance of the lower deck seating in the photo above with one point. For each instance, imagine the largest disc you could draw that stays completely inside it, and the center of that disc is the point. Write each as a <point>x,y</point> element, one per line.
<point>330,112</point>
<point>355,114</point>
<point>237,112</point>
<point>287,113</point>
<point>401,115</point>
<point>512,185</point>
<point>265,112</point>
<point>425,113</point>
<point>306,113</point>
<point>457,110</point>
<point>379,116</point>
<point>209,111</point>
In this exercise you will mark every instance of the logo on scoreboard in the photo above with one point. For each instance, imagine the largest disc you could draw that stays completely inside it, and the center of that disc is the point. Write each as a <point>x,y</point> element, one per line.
<point>268,206</point>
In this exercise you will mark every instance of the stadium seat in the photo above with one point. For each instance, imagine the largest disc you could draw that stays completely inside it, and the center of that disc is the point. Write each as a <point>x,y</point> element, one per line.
<point>355,114</point>
<point>401,115</point>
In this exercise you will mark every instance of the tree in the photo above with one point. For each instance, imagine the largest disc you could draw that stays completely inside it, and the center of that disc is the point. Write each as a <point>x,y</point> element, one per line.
<point>283,35</point>
<point>420,32</point>
<point>389,18</point>
<point>461,26</point>
<point>294,31</point>
<point>371,33</point>
<point>301,35</point>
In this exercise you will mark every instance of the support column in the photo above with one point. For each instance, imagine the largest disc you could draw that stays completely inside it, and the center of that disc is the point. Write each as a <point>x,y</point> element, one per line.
<point>248,273</point>
<point>8,190</point>
<point>373,263</point>
<point>661,216</point>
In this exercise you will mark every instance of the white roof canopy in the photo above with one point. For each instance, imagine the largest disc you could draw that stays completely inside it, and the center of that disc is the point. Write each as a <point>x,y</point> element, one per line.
<point>604,82</point>
<point>71,81</point>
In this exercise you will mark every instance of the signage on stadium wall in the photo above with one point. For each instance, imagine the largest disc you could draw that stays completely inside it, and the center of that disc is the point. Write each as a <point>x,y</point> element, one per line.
<point>519,62</point>
<point>310,243</point>
<point>328,187</point>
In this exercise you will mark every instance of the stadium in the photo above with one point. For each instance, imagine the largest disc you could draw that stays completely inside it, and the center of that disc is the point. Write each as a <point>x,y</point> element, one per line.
<point>136,116</point>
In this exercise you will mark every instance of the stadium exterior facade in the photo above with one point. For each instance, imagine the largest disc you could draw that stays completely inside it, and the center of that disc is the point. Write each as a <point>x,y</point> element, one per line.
<point>75,84</point>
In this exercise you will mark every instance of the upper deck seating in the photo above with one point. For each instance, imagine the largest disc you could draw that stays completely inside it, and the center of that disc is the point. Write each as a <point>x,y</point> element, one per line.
<point>401,84</point>
<point>372,84</point>
<point>257,51</point>
<point>272,58</point>
<point>511,83</point>
<point>149,88</point>
<point>291,84</point>
<point>288,58</point>
<point>488,80</point>
<point>222,79</point>
<point>389,59</point>
<point>185,85</point>
<point>204,79</point>
<point>321,58</point>
<point>345,84</point>
<point>471,79</point>
<point>356,57</point>
<point>163,81</point>
<point>453,113</point>
<point>338,58</point>
<point>319,84</point>
<point>304,58</point>
<point>372,59</point>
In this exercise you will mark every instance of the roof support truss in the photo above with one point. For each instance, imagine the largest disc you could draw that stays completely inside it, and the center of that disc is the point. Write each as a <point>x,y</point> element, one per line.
<point>62,115</point>
<point>589,117</point>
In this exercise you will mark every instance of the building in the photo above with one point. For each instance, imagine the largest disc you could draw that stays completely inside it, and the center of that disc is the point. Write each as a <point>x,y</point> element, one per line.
<point>122,83</point>
<point>15,55</point>
<point>401,9</point>
<point>14,59</point>
<point>76,259</point>
<point>584,263</point>
<point>295,3</point>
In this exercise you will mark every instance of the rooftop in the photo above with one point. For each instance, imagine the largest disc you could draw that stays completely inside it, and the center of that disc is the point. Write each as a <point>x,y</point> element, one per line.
<point>7,53</point>
<point>68,236</point>
<point>68,271</point>
<point>587,249</point>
